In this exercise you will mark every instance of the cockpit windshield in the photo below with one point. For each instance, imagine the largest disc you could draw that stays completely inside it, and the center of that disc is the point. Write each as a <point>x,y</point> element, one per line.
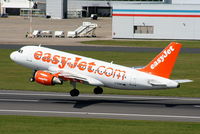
<point>20,51</point>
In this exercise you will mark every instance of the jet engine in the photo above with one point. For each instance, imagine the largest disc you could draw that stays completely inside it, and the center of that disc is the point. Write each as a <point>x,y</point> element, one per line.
<point>46,78</point>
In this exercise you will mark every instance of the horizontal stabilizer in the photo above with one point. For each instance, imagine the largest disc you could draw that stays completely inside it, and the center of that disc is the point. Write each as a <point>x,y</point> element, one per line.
<point>183,81</point>
<point>138,67</point>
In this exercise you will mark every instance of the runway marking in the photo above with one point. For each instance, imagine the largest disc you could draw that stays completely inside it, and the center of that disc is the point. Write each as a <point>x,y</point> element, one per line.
<point>197,106</point>
<point>19,100</point>
<point>104,96</point>
<point>100,114</point>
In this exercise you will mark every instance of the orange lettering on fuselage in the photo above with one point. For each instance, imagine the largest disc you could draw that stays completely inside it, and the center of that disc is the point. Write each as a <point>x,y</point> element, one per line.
<point>90,65</point>
<point>63,62</point>
<point>77,59</point>
<point>38,55</point>
<point>46,57</point>
<point>55,59</point>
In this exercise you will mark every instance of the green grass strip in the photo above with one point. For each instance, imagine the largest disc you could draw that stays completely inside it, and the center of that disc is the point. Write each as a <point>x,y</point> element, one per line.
<point>147,43</point>
<point>59,125</point>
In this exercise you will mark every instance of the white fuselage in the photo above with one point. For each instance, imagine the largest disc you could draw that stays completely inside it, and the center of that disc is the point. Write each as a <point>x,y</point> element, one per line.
<point>109,74</point>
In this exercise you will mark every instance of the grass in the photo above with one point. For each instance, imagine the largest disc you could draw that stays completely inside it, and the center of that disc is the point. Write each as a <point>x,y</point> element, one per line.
<point>60,125</point>
<point>136,43</point>
<point>15,77</point>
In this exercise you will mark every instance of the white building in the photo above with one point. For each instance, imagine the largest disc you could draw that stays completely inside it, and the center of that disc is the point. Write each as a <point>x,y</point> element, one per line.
<point>193,2</point>
<point>57,9</point>
<point>13,6</point>
<point>157,21</point>
<point>84,8</point>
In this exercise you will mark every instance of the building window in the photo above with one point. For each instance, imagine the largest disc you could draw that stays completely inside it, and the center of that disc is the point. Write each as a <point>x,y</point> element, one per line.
<point>143,29</point>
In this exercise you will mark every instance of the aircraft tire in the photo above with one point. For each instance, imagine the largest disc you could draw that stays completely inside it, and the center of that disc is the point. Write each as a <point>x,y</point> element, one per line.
<point>74,92</point>
<point>98,90</point>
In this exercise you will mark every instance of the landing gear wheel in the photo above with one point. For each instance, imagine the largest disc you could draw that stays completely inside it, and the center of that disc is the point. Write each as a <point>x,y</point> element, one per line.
<point>74,92</point>
<point>32,79</point>
<point>98,90</point>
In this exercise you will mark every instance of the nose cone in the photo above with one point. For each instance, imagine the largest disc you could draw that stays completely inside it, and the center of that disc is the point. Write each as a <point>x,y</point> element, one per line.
<point>13,56</point>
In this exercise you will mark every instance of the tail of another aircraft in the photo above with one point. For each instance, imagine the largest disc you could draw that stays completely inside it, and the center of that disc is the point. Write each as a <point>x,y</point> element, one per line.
<point>162,65</point>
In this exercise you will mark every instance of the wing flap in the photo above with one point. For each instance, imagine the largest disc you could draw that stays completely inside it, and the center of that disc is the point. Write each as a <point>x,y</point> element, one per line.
<point>68,74</point>
<point>85,79</point>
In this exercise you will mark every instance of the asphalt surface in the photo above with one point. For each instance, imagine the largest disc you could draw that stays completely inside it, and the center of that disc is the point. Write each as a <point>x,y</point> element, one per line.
<point>99,106</point>
<point>102,48</point>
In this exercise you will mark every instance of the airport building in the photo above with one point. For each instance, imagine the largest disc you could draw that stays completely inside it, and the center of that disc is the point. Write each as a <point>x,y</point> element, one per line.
<point>56,9</point>
<point>22,7</point>
<point>176,19</point>
<point>103,8</point>
<point>60,9</point>
<point>12,7</point>
<point>133,19</point>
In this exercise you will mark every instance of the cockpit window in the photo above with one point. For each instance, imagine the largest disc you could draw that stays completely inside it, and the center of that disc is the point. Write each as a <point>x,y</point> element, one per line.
<point>20,51</point>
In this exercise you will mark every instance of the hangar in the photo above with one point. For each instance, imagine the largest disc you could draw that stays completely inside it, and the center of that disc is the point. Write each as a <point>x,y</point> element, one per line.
<point>22,7</point>
<point>13,8</point>
<point>60,9</point>
<point>157,21</point>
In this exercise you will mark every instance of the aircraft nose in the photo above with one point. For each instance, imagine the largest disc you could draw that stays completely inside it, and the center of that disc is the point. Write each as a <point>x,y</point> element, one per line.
<point>13,56</point>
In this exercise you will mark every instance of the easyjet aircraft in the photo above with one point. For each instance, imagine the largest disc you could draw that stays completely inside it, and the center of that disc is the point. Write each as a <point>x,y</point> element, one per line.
<point>53,67</point>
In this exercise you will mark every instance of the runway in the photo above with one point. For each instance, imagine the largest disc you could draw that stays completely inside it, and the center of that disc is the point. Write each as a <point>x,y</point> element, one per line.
<point>102,48</point>
<point>99,106</point>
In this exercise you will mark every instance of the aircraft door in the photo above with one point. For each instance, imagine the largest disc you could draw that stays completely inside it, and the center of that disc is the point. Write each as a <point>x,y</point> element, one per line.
<point>28,59</point>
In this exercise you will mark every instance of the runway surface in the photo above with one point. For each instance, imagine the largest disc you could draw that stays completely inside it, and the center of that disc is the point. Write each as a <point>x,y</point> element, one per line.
<point>99,106</point>
<point>103,48</point>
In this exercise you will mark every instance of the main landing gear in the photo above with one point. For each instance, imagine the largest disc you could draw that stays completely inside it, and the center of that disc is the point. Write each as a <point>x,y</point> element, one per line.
<point>75,92</point>
<point>98,90</point>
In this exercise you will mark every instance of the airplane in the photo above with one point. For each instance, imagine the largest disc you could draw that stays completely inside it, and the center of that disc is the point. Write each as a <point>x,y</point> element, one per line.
<point>52,67</point>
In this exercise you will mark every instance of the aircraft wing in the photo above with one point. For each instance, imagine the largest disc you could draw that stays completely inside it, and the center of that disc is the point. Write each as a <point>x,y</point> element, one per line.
<point>69,75</point>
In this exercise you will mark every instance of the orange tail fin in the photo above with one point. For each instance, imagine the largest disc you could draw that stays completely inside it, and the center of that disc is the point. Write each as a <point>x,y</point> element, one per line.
<point>162,65</point>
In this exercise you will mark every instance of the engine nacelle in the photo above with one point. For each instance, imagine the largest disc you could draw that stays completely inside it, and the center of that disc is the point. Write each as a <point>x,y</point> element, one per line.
<point>46,78</point>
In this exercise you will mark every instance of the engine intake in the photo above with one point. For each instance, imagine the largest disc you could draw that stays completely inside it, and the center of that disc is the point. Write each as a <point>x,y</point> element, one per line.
<point>47,78</point>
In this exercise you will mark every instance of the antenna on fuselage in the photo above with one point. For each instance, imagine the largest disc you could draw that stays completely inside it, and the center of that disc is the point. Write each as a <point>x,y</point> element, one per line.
<point>39,45</point>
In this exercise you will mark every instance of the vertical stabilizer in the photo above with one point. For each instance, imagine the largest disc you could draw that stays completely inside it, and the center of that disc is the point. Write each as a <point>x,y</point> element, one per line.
<point>162,65</point>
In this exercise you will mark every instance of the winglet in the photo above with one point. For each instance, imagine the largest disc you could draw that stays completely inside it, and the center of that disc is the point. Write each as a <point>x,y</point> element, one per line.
<point>162,65</point>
